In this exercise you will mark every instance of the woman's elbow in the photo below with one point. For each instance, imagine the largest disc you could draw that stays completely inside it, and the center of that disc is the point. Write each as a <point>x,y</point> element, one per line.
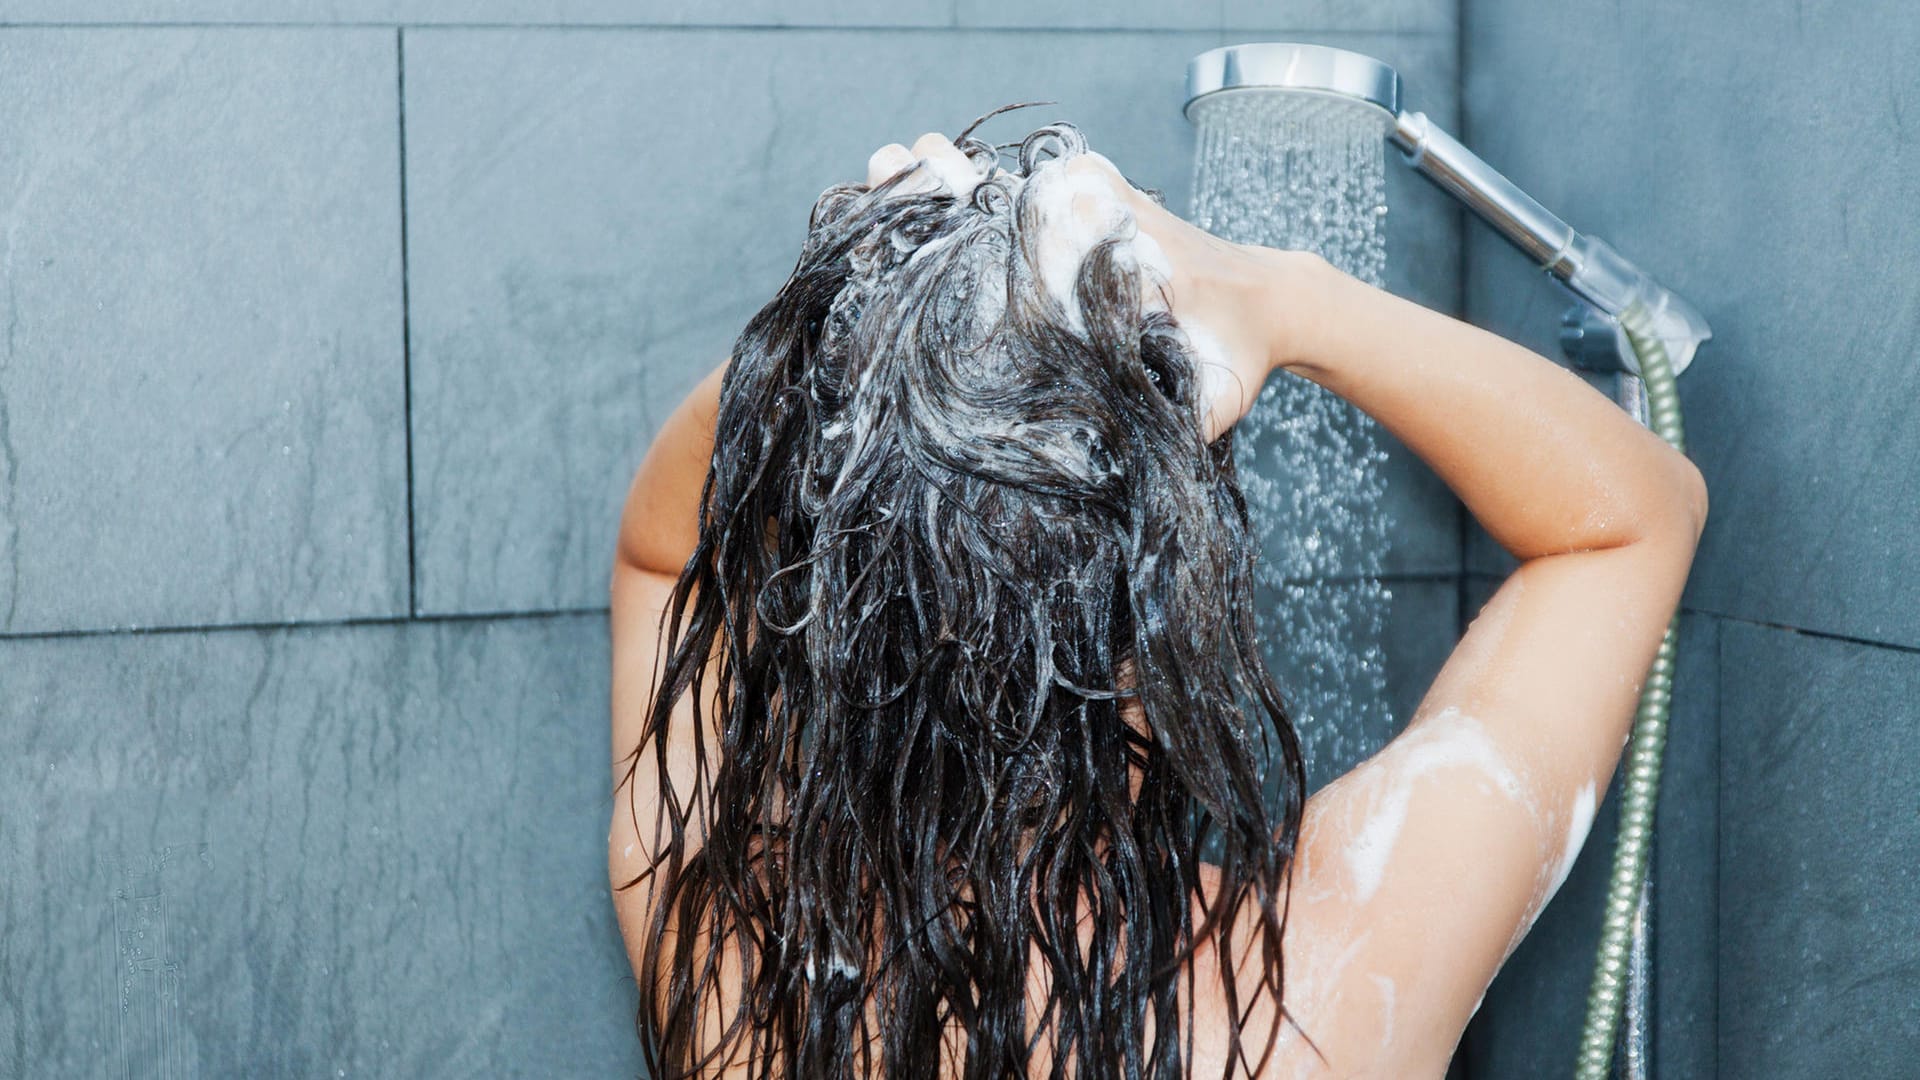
<point>1693,487</point>
<point>1673,532</point>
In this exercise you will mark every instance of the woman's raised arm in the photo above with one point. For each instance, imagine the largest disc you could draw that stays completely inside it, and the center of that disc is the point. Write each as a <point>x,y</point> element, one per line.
<point>1421,870</point>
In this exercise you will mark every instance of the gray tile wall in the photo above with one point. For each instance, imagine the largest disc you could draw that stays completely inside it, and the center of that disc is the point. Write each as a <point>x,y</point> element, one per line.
<point>1760,158</point>
<point>1300,17</point>
<point>1768,176</point>
<point>372,850</point>
<point>334,331</point>
<point>1819,857</point>
<point>202,401</point>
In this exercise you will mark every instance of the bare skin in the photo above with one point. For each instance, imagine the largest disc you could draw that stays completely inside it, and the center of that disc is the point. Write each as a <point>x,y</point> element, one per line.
<point>1421,869</point>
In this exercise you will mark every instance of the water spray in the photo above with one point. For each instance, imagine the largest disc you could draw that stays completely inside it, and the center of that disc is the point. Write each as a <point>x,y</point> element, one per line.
<point>1309,461</point>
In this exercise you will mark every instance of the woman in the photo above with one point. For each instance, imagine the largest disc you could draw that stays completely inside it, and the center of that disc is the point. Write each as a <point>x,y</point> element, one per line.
<point>934,674</point>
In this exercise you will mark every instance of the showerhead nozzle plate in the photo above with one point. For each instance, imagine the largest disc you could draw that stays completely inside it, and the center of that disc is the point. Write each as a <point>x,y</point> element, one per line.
<point>1294,67</point>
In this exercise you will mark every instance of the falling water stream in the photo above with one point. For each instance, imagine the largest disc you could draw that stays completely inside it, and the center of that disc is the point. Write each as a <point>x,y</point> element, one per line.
<point>1302,172</point>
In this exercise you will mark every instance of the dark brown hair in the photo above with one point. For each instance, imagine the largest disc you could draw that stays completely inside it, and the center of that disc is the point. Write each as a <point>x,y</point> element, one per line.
<point>943,522</point>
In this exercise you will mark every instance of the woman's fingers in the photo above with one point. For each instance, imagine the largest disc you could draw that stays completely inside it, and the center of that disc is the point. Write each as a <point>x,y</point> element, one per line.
<point>886,161</point>
<point>940,165</point>
<point>946,161</point>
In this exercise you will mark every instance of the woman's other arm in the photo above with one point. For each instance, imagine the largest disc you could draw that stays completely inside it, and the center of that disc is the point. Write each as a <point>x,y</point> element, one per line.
<point>659,527</point>
<point>658,532</point>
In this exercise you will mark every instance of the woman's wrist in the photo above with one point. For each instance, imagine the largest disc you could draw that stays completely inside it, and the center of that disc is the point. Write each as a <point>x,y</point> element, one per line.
<point>1294,301</point>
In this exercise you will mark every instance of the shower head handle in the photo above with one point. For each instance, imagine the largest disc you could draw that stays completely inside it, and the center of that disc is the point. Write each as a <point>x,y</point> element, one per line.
<point>1585,264</point>
<point>1459,171</point>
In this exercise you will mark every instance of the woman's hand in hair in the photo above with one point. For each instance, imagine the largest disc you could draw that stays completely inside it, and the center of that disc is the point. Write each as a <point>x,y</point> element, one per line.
<point>945,167</point>
<point>1222,294</point>
<point>1229,299</point>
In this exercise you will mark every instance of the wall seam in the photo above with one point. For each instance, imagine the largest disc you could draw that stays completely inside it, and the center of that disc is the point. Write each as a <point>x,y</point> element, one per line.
<point>1465,522</point>
<point>1719,790</point>
<point>322,624</point>
<point>1464,1051</point>
<point>1411,577</point>
<point>406,316</point>
<point>930,28</point>
<point>1719,800</point>
<point>1766,624</point>
<point>1824,635</point>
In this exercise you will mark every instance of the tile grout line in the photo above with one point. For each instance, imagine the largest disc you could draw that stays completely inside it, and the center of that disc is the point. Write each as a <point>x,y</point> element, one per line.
<point>758,27</point>
<point>1460,287</point>
<point>1474,1033</point>
<point>406,314</point>
<point>1719,790</point>
<point>1719,818</point>
<point>415,619</point>
<point>1462,268</point>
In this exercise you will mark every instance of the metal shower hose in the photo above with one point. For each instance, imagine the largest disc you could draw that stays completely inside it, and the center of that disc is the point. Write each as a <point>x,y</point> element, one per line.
<point>1627,893</point>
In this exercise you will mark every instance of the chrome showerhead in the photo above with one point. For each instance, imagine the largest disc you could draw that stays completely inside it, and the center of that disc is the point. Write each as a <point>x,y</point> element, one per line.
<point>1220,74</point>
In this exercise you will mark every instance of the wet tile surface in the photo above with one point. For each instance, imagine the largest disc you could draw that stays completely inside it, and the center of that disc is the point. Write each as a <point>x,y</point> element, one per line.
<point>202,412</point>
<point>1317,16</point>
<point>1686,860</point>
<point>1244,20</point>
<point>1313,17</point>
<point>375,850</point>
<point>585,14</point>
<point>1819,891</point>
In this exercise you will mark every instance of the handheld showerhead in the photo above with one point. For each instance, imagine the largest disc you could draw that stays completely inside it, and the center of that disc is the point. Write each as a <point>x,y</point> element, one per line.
<point>1317,75</point>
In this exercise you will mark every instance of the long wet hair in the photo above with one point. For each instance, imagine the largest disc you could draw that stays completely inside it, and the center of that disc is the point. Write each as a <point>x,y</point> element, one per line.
<point>952,532</point>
